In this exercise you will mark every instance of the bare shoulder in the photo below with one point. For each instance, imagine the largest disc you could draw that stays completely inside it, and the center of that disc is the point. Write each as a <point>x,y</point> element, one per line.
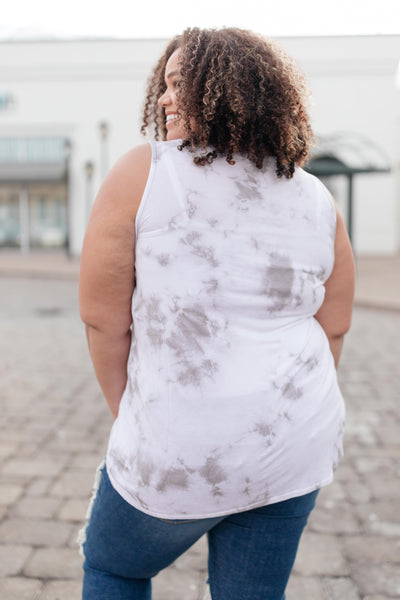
<point>107,260</point>
<point>132,162</point>
<point>125,183</point>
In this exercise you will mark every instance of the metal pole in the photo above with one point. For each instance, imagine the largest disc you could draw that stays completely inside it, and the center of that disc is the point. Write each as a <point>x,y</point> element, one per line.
<point>350,208</point>
<point>67,149</point>
<point>104,129</point>
<point>89,168</point>
<point>24,220</point>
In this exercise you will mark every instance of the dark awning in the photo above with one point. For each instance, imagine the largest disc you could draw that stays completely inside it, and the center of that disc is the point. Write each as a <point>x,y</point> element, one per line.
<point>33,160</point>
<point>347,154</point>
<point>31,172</point>
<point>328,166</point>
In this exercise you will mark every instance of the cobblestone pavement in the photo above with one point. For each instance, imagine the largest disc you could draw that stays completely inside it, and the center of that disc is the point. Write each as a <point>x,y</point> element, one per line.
<point>53,432</point>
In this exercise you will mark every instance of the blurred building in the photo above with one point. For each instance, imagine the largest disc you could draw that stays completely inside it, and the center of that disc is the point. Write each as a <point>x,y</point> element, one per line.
<point>68,109</point>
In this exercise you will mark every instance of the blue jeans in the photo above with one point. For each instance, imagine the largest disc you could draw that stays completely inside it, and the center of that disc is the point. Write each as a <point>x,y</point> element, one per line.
<point>251,554</point>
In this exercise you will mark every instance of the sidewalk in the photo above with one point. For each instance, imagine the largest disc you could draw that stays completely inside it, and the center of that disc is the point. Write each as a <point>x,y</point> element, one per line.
<point>377,278</point>
<point>378,282</point>
<point>39,264</point>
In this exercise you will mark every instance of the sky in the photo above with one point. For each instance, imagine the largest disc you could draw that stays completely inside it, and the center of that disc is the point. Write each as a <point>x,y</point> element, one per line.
<point>163,19</point>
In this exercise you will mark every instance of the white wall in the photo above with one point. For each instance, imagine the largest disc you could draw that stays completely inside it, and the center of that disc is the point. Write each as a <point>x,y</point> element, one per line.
<point>353,88</point>
<point>68,88</point>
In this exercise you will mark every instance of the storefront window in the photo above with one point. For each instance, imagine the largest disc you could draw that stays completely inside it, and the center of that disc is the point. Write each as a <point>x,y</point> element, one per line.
<point>47,216</point>
<point>9,219</point>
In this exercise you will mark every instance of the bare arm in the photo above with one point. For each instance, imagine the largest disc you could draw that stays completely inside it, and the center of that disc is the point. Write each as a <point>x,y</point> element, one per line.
<point>107,271</point>
<point>335,313</point>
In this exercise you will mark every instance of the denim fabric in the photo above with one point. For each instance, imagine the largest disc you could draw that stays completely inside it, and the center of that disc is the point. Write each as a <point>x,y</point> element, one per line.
<point>251,553</point>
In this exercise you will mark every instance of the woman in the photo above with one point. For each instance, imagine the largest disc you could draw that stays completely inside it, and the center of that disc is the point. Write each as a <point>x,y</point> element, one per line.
<point>216,288</point>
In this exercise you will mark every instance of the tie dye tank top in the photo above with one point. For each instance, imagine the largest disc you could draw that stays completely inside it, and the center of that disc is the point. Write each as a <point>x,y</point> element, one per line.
<point>232,399</point>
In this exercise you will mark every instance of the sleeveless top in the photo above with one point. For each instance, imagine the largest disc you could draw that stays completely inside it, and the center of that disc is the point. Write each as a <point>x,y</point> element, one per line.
<point>232,399</point>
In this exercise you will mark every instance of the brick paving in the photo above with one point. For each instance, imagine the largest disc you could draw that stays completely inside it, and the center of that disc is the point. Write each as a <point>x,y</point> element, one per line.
<point>54,427</point>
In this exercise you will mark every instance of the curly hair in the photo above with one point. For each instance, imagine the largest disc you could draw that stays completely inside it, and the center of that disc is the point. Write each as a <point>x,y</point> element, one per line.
<point>243,93</point>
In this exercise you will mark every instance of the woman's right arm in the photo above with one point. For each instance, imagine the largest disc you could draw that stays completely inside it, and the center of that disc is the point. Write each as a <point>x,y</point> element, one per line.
<point>107,271</point>
<point>335,313</point>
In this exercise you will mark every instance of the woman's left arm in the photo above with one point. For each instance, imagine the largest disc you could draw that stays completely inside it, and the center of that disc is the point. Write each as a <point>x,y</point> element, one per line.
<point>107,274</point>
<point>335,313</point>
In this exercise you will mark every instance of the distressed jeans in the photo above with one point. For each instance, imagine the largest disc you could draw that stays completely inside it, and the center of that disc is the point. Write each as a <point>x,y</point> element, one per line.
<point>251,554</point>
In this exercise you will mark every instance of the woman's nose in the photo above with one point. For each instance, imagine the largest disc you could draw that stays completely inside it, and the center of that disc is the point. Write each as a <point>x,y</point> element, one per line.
<point>163,99</point>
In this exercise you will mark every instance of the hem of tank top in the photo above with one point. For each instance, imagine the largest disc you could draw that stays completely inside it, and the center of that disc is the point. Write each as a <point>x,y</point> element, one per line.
<point>229,511</point>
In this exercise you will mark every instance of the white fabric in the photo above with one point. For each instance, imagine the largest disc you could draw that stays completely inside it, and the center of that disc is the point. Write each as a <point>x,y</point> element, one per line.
<point>232,399</point>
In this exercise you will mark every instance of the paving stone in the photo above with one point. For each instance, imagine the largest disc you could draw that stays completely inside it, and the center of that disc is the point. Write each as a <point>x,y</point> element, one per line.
<point>195,560</point>
<point>173,584</point>
<point>34,532</point>
<point>19,435</point>
<point>54,563</point>
<point>28,450</point>
<point>384,528</point>
<point>62,590</point>
<point>15,479</point>
<point>12,559</point>
<point>72,540</point>
<point>80,446</point>
<point>375,549</point>
<point>304,588</point>
<point>360,433</point>
<point>205,592</point>
<point>18,588</point>
<point>384,486</point>
<point>340,588</point>
<point>7,449</point>
<point>9,493</point>
<point>73,509</point>
<point>377,578</point>
<point>39,486</point>
<point>358,492</point>
<point>74,434</point>
<point>334,520</point>
<point>320,554</point>
<point>33,467</point>
<point>86,462</point>
<point>31,507</point>
<point>73,484</point>
<point>389,433</point>
<point>381,510</point>
<point>369,464</point>
<point>345,473</point>
<point>381,518</point>
<point>331,495</point>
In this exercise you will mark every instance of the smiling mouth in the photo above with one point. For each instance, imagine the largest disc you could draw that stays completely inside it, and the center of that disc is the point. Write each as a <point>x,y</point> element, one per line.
<point>171,118</point>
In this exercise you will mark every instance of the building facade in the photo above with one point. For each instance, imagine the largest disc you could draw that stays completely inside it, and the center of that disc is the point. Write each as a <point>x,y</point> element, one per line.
<point>69,109</point>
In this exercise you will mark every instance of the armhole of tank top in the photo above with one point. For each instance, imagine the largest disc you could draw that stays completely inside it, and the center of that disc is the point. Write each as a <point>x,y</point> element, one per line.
<point>325,193</point>
<point>333,208</point>
<point>331,202</point>
<point>147,186</point>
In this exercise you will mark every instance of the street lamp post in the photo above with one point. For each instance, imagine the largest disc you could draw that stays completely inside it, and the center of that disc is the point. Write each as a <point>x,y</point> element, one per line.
<point>69,224</point>
<point>104,131</point>
<point>89,170</point>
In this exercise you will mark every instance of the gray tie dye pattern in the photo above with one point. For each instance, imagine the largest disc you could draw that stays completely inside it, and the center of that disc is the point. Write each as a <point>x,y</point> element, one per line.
<point>232,400</point>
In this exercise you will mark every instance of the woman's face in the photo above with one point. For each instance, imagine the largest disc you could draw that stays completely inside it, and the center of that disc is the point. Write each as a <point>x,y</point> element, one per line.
<point>168,101</point>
